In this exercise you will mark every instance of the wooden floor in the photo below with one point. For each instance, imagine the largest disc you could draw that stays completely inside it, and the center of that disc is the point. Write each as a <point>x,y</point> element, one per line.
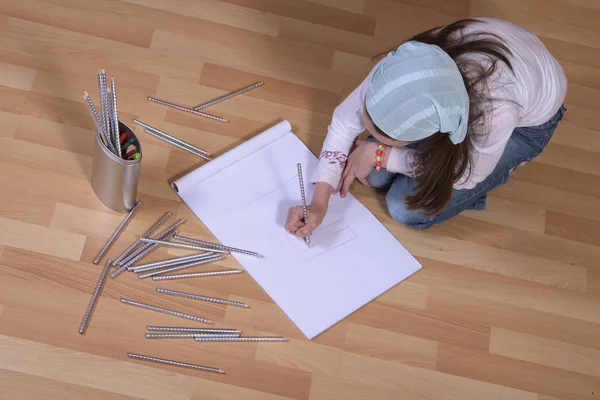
<point>507,305</point>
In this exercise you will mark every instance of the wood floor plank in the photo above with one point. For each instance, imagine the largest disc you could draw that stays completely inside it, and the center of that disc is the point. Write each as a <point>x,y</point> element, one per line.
<point>204,50</point>
<point>570,158</point>
<point>543,351</point>
<point>560,178</point>
<point>580,116</point>
<point>422,383</point>
<point>501,262</point>
<point>12,100</point>
<point>539,245</point>
<point>31,387</point>
<point>391,346</point>
<point>406,294</point>
<point>299,354</point>
<point>9,124</point>
<point>577,24</point>
<point>515,373</point>
<point>218,12</point>
<point>261,45</point>
<point>578,72</point>
<point>16,77</point>
<point>583,95</point>
<point>422,324</point>
<point>576,136</point>
<point>19,152</point>
<point>41,239</point>
<point>509,291</point>
<point>120,377</point>
<point>206,389</point>
<point>85,51</point>
<point>333,38</point>
<point>511,214</point>
<point>312,12</point>
<point>551,198</point>
<point>572,52</point>
<point>415,19</point>
<point>355,6</point>
<point>458,8</point>
<point>325,388</point>
<point>107,24</point>
<point>462,304</point>
<point>573,228</point>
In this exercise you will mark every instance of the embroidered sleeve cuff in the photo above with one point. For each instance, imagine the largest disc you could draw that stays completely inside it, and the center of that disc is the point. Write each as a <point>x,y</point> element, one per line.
<point>327,173</point>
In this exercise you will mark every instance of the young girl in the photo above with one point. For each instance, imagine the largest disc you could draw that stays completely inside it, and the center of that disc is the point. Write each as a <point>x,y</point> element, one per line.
<point>450,113</point>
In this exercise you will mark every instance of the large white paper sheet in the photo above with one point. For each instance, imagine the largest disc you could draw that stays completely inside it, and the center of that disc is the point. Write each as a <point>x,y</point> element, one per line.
<point>243,196</point>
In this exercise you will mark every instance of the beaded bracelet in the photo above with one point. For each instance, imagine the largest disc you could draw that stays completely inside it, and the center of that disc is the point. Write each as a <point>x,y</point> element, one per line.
<point>379,153</point>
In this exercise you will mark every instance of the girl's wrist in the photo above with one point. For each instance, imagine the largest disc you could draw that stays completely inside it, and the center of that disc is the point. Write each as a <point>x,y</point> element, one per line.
<point>385,156</point>
<point>321,194</point>
<point>382,154</point>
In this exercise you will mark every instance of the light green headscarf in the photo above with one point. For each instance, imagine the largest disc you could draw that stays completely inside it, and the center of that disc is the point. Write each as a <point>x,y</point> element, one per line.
<point>416,91</point>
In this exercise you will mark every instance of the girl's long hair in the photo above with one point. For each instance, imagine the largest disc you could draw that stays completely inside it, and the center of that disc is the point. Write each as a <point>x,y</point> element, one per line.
<point>439,163</point>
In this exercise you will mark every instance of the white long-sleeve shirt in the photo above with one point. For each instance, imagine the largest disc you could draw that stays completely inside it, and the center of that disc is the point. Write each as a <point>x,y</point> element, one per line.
<point>531,96</point>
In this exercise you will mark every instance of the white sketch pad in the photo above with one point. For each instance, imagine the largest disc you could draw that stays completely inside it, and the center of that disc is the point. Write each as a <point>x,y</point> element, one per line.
<point>243,197</point>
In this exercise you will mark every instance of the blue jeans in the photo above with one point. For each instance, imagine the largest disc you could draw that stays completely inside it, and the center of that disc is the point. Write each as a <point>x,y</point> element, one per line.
<point>524,145</point>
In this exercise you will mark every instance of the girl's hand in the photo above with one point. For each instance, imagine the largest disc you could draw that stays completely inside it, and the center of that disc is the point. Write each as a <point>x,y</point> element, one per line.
<point>360,163</point>
<point>295,223</point>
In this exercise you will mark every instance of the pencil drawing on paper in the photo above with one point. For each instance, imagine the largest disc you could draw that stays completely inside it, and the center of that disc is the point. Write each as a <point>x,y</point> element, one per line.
<point>270,211</point>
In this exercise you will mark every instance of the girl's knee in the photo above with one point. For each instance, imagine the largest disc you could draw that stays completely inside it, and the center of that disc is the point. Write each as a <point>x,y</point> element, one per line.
<point>412,218</point>
<point>380,179</point>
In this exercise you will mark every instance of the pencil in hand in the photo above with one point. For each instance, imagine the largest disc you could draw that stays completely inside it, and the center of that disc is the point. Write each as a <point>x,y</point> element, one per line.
<point>303,195</point>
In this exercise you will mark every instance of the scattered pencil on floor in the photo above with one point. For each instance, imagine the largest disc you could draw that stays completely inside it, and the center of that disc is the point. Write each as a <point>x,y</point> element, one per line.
<point>189,335</point>
<point>241,339</point>
<point>228,95</point>
<point>154,226</point>
<point>217,246</point>
<point>198,274</point>
<point>94,299</point>
<point>161,235</point>
<point>144,251</point>
<point>190,110</point>
<point>117,232</point>
<point>168,263</point>
<point>176,363</point>
<point>152,328</point>
<point>165,311</point>
<point>172,140</point>
<point>209,259</point>
<point>184,246</point>
<point>204,298</point>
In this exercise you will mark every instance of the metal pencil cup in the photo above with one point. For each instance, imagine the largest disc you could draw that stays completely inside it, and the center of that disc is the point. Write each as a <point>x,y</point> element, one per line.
<point>114,179</point>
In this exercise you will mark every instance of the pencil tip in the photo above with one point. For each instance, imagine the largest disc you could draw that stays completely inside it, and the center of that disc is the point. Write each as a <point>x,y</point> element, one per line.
<point>208,321</point>
<point>246,306</point>
<point>221,371</point>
